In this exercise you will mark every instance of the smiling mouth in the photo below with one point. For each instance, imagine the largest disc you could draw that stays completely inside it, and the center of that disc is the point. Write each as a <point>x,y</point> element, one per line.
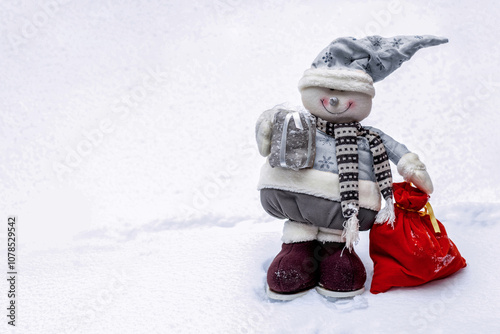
<point>336,113</point>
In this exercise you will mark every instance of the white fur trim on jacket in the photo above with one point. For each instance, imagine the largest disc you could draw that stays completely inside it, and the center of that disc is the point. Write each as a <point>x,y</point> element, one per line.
<point>316,183</point>
<point>413,170</point>
<point>342,79</point>
<point>298,232</point>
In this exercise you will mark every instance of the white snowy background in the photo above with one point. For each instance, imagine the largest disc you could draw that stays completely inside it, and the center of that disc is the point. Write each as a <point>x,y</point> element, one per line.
<point>127,153</point>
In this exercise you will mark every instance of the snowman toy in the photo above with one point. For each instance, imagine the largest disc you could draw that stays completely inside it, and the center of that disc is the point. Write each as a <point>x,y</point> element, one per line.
<point>326,174</point>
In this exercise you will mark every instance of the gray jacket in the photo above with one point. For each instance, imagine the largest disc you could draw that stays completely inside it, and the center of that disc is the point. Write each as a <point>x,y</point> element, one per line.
<point>322,180</point>
<point>325,159</point>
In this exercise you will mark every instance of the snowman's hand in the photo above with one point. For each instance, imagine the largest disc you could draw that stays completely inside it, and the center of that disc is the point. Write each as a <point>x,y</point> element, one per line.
<point>422,181</point>
<point>263,130</point>
<point>413,170</point>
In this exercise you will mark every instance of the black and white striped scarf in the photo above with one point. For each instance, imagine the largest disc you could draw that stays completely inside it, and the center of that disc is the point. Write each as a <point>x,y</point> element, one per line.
<point>346,141</point>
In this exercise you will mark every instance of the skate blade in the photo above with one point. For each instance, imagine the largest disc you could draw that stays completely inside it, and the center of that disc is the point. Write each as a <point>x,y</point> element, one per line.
<point>283,297</point>
<point>339,294</point>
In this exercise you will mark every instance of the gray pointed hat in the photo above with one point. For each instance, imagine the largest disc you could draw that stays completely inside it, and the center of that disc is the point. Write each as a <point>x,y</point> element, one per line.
<point>355,64</point>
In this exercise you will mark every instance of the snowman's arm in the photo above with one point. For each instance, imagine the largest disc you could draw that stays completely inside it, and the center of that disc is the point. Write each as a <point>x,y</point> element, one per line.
<point>395,150</point>
<point>409,165</point>
<point>263,130</point>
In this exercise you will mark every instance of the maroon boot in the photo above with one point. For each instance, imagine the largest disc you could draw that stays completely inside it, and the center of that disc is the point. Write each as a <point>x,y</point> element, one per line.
<point>293,271</point>
<point>342,274</point>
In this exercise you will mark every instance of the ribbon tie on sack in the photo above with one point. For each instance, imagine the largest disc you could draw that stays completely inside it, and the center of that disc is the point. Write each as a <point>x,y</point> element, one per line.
<point>428,211</point>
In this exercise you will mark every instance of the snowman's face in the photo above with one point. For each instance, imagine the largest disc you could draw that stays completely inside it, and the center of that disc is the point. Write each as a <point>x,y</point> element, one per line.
<point>336,106</point>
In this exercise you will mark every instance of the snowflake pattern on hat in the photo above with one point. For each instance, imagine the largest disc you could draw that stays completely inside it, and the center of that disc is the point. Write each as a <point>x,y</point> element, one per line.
<point>375,55</point>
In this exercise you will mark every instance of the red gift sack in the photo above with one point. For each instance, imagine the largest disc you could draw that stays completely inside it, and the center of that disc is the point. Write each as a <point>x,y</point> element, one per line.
<point>416,250</point>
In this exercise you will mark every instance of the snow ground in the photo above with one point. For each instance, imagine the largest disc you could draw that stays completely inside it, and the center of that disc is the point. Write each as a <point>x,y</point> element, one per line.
<point>128,156</point>
<point>211,280</point>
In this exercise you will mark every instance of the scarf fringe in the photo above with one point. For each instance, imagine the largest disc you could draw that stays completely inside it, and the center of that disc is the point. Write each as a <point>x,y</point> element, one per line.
<point>386,214</point>
<point>351,231</point>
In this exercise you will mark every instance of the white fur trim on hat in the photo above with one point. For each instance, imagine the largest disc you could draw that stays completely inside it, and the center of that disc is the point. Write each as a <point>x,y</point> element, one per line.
<point>341,79</point>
